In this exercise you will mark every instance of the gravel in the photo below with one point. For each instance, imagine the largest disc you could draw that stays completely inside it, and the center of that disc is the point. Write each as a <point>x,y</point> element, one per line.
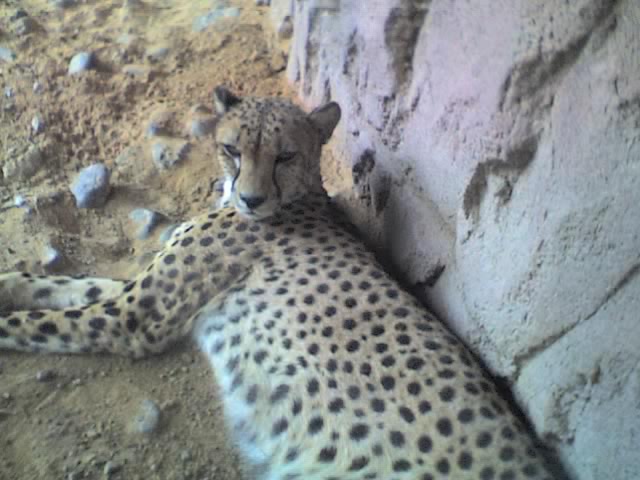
<point>81,62</point>
<point>23,165</point>
<point>204,21</point>
<point>91,186</point>
<point>165,156</point>
<point>147,221</point>
<point>148,417</point>
<point>7,55</point>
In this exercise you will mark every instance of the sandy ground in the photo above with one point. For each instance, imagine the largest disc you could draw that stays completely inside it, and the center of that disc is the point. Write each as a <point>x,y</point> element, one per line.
<point>76,422</point>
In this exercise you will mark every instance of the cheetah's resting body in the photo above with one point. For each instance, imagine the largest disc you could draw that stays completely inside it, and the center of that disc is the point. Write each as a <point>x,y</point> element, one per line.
<point>327,369</point>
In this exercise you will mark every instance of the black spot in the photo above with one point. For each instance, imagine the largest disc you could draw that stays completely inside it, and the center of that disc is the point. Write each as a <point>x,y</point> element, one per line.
<point>93,293</point>
<point>406,414</point>
<point>279,427</point>
<point>313,387</point>
<point>487,473</point>
<point>112,311</point>
<point>425,444</point>
<point>507,454</point>
<point>465,461</point>
<point>358,463</point>
<point>292,454</point>
<point>377,405</point>
<point>147,302</point>
<point>132,324</point>
<point>414,388</point>
<point>352,346</point>
<point>169,259</point>
<point>359,431</point>
<point>354,392</point>
<point>48,328</point>
<point>336,405</point>
<point>443,466</point>
<point>388,382</point>
<point>35,315</point>
<point>315,425</point>
<point>401,466</point>
<point>97,323</point>
<point>483,440</point>
<point>259,356</point>
<point>252,394</point>
<point>415,363</point>
<point>186,241</point>
<point>465,415</point>
<point>444,427</point>
<point>327,454</point>
<point>38,338</point>
<point>42,293</point>
<point>14,322</point>
<point>396,438</point>
<point>447,394</point>
<point>3,333</point>
<point>147,282</point>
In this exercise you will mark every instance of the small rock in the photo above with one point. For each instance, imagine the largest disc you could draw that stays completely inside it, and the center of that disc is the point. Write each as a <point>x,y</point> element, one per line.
<point>25,26</point>
<point>8,92</point>
<point>37,87</point>
<point>136,70</point>
<point>81,62</point>
<point>156,54</point>
<point>7,55</point>
<point>45,375</point>
<point>19,201</point>
<point>148,417</point>
<point>285,30</point>
<point>37,124</point>
<point>25,165</point>
<point>204,21</point>
<point>110,468</point>
<point>185,455</point>
<point>165,156</point>
<point>62,3</point>
<point>167,232</point>
<point>148,220</point>
<point>201,121</point>
<point>51,257</point>
<point>91,186</point>
<point>160,123</point>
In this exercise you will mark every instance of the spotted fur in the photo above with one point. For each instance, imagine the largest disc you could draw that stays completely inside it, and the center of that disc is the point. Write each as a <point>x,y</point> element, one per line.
<point>326,367</point>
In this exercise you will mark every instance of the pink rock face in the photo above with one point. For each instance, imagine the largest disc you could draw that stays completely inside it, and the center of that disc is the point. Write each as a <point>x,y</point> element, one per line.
<point>502,176</point>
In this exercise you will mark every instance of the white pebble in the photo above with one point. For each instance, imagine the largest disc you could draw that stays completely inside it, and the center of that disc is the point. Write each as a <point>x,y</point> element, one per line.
<point>81,62</point>
<point>37,125</point>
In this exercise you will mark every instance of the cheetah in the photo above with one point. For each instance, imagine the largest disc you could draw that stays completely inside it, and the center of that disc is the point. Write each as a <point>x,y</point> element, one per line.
<point>327,368</point>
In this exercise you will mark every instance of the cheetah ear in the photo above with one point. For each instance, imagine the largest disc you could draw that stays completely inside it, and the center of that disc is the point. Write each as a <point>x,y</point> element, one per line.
<point>224,100</point>
<point>325,119</point>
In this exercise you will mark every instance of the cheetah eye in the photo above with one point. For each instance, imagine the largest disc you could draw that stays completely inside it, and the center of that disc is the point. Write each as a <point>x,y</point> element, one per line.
<point>231,151</point>
<point>285,157</point>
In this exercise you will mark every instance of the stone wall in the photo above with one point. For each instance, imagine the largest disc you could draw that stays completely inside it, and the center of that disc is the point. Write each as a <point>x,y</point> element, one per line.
<point>493,148</point>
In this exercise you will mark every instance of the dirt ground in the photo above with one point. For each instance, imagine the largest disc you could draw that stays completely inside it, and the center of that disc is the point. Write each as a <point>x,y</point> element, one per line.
<point>72,417</point>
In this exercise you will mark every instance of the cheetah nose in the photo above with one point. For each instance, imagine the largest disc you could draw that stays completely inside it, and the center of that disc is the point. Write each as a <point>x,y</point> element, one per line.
<point>252,202</point>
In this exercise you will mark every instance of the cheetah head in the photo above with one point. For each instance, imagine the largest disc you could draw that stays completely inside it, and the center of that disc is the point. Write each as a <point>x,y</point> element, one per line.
<point>269,150</point>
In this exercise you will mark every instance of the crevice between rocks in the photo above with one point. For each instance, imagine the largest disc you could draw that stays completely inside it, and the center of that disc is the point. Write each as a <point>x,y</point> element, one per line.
<point>522,359</point>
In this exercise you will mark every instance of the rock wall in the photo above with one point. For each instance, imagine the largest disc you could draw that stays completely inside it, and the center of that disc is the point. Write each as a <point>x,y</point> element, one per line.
<point>493,148</point>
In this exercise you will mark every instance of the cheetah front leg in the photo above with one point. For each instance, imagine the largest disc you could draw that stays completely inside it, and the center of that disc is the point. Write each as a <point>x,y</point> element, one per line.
<point>25,291</point>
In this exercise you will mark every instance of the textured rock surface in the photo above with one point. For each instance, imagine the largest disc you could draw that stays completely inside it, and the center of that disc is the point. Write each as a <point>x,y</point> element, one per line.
<point>495,152</point>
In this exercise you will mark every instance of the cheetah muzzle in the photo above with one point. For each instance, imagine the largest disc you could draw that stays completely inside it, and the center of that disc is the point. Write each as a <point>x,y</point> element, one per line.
<point>326,367</point>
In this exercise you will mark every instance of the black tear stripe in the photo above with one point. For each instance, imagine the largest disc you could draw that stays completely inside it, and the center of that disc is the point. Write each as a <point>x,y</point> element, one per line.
<point>275,183</point>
